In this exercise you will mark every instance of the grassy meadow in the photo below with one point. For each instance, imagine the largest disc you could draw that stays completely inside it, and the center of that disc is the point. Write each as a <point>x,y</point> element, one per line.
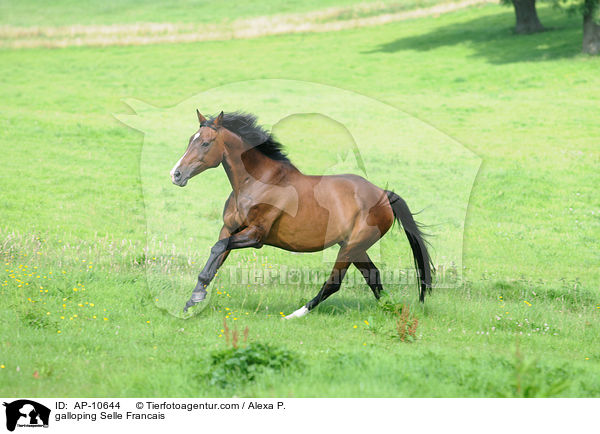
<point>69,12</point>
<point>81,318</point>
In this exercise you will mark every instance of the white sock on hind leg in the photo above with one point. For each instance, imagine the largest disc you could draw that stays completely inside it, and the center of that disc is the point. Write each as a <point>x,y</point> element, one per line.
<point>298,313</point>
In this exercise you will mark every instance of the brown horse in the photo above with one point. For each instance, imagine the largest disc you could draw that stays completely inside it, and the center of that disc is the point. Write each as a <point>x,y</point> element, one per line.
<point>273,203</point>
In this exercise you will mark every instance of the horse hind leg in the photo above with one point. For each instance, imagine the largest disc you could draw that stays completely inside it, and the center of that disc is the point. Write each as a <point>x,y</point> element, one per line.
<point>364,235</point>
<point>331,286</point>
<point>370,272</point>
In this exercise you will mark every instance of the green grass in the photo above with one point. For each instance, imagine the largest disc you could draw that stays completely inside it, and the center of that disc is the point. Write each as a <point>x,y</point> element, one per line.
<point>525,322</point>
<point>68,12</point>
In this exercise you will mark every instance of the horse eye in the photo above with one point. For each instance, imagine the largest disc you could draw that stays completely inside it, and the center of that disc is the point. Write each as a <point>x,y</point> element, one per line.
<point>205,143</point>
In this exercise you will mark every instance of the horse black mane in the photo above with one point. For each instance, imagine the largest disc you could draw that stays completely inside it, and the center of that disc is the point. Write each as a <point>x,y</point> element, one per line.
<point>246,126</point>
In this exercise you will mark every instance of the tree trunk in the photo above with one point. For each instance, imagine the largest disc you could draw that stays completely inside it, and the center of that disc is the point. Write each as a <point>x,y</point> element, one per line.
<point>527,18</point>
<point>591,30</point>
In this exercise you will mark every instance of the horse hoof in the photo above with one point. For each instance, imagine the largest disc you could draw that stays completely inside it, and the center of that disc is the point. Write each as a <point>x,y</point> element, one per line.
<point>189,304</point>
<point>298,313</point>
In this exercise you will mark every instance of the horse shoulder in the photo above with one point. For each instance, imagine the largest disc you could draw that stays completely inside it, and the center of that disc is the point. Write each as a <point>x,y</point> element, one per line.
<point>231,217</point>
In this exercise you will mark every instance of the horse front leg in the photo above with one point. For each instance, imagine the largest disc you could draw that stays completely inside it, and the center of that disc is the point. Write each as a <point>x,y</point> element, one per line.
<point>248,237</point>
<point>199,293</point>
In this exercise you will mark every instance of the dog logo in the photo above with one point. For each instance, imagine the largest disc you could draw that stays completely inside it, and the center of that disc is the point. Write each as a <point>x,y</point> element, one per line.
<point>26,413</point>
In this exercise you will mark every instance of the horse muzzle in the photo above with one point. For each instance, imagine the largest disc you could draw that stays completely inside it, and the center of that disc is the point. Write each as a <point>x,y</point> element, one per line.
<point>178,178</point>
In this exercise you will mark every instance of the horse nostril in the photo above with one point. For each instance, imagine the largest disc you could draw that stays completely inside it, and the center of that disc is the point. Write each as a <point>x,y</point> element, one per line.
<point>177,174</point>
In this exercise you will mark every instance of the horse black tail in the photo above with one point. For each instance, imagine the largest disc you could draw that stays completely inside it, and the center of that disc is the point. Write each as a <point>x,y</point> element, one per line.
<point>415,237</point>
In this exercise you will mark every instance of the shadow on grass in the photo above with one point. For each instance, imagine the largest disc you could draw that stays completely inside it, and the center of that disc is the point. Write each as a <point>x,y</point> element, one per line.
<point>342,306</point>
<point>492,37</point>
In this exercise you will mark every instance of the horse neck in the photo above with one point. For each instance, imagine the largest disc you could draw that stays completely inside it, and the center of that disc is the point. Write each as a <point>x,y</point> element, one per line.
<point>243,162</point>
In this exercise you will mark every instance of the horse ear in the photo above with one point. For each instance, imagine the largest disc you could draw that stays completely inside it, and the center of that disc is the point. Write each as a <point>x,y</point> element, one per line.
<point>201,118</point>
<point>218,120</point>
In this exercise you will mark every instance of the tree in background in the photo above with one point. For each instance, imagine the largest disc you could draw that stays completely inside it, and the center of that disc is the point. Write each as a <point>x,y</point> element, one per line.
<point>589,10</point>
<point>528,21</point>
<point>526,15</point>
<point>591,29</point>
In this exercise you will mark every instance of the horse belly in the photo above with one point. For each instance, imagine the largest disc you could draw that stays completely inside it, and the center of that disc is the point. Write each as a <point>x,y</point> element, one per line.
<point>304,233</point>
